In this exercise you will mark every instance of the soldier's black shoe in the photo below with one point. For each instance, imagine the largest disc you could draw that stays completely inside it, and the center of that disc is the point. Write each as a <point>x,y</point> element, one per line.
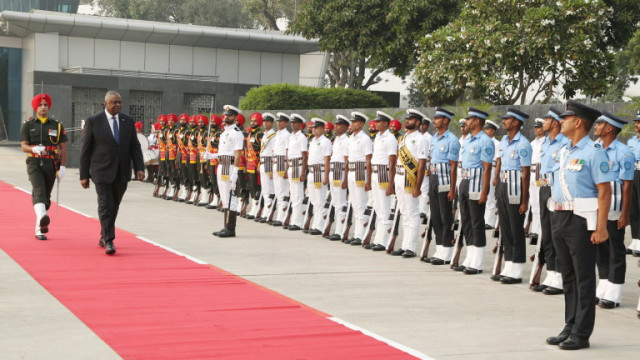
<point>471,271</point>
<point>556,340</point>
<point>224,233</point>
<point>497,277</point>
<point>488,227</point>
<point>294,228</point>
<point>509,280</point>
<point>378,247</point>
<point>437,261</point>
<point>285,227</point>
<point>538,288</point>
<point>334,237</point>
<point>41,237</point>
<point>216,233</point>
<point>397,252</point>
<point>101,242</point>
<point>315,232</point>
<point>368,246</point>
<point>109,248</point>
<point>209,206</point>
<point>356,242</point>
<point>574,343</point>
<point>428,260</point>
<point>552,291</point>
<point>276,223</point>
<point>628,251</point>
<point>250,217</point>
<point>636,253</point>
<point>408,254</point>
<point>459,268</point>
<point>608,304</point>
<point>349,241</point>
<point>44,224</point>
<point>306,231</point>
<point>262,220</point>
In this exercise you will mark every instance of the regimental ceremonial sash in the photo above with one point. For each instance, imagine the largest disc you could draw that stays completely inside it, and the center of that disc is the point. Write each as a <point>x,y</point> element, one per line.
<point>337,168</point>
<point>280,161</point>
<point>162,149</point>
<point>267,160</point>
<point>296,166</point>
<point>193,149</point>
<point>316,170</point>
<point>410,166</point>
<point>225,162</point>
<point>252,156</point>
<point>172,145</point>
<point>183,146</point>
<point>359,168</point>
<point>383,175</point>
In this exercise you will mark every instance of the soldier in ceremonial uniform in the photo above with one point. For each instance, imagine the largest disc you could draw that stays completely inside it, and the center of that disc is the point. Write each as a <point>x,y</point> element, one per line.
<point>383,163</point>
<point>549,155</point>
<point>328,131</point>
<point>319,158</point>
<point>534,202</point>
<point>229,154</point>
<point>512,171</point>
<point>266,166</point>
<point>297,156</point>
<point>634,212</point>
<point>491,210</point>
<point>359,175</point>
<point>581,196</point>
<point>196,150</point>
<point>172,139</point>
<point>372,129</point>
<point>477,159</point>
<point>191,176</point>
<point>161,180</point>
<point>394,128</point>
<point>45,140</point>
<point>253,143</point>
<point>280,183</point>
<point>610,256</point>
<point>182,159</point>
<point>412,159</point>
<point>424,197</point>
<point>337,175</point>
<point>445,152</point>
<point>212,161</point>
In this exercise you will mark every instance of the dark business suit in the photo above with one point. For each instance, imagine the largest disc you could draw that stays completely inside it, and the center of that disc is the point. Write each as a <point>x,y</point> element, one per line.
<point>108,163</point>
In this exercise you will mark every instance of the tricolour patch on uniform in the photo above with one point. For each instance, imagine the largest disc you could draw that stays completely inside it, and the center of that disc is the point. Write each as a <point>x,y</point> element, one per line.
<point>604,167</point>
<point>523,152</point>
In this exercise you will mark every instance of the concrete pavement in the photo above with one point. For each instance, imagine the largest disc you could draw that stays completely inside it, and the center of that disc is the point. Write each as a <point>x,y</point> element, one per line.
<point>443,314</point>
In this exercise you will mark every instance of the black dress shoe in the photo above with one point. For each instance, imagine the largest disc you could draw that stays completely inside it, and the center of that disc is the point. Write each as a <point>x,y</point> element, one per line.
<point>488,227</point>
<point>285,227</point>
<point>262,220</point>
<point>276,223</point>
<point>628,251</point>
<point>356,242</point>
<point>397,252</point>
<point>510,280</point>
<point>101,242</point>
<point>496,277</point>
<point>294,228</point>
<point>608,304</point>
<point>41,237</point>
<point>556,340</point>
<point>636,253</point>
<point>250,217</point>
<point>552,291</point>
<point>224,233</point>
<point>428,260</point>
<point>44,224</point>
<point>334,237</point>
<point>408,254</point>
<point>538,288</point>
<point>459,268</point>
<point>315,232</point>
<point>378,247</point>
<point>437,261</point>
<point>209,206</point>
<point>109,248</point>
<point>470,271</point>
<point>349,241</point>
<point>368,246</point>
<point>574,343</point>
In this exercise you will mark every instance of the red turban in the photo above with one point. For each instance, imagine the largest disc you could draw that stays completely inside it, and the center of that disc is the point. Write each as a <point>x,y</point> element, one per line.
<point>172,117</point>
<point>35,102</point>
<point>216,119</point>
<point>202,118</point>
<point>329,126</point>
<point>240,119</point>
<point>138,125</point>
<point>157,126</point>
<point>257,117</point>
<point>183,116</point>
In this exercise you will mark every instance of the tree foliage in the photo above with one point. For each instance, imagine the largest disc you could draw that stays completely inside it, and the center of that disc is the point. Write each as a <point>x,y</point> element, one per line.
<point>267,12</point>
<point>509,51</point>
<point>375,34</point>
<point>289,97</point>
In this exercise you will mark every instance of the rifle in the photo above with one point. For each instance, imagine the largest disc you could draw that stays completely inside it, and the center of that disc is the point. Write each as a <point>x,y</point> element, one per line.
<point>394,230</point>
<point>272,210</point>
<point>260,204</point>
<point>372,228</point>
<point>349,221</point>
<point>331,216</point>
<point>536,269</point>
<point>308,215</point>
<point>288,210</point>
<point>458,241</point>
<point>497,262</point>
<point>424,253</point>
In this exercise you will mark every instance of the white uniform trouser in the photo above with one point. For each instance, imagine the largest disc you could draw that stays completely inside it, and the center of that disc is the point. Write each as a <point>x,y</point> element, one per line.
<point>224,187</point>
<point>339,203</point>
<point>266,184</point>
<point>317,196</point>
<point>358,200</point>
<point>281,189</point>
<point>491,208</point>
<point>409,210</point>
<point>534,201</point>
<point>382,207</point>
<point>296,191</point>
<point>424,197</point>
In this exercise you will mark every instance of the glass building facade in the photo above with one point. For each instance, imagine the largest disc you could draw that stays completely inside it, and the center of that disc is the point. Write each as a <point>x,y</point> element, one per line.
<point>66,6</point>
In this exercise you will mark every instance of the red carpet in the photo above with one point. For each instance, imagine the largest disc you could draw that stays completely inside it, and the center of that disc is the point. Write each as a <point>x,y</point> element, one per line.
<point>148,303</point>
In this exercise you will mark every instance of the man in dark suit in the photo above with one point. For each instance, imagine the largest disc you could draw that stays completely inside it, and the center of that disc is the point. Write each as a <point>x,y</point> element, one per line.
<point>109,146</point>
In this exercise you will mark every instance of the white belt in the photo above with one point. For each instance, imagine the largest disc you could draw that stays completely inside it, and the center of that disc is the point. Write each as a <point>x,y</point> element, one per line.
<point>638,165</point>
<point>561,205</point>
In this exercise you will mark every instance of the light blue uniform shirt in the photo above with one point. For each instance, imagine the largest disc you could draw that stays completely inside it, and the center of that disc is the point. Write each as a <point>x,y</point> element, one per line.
<point>515,154</point>
<point>550,153</point>
<point>476,150</point>
<point>444,148</point>
<point>621,160</point>
<point>585,165</point>
<point>634,144</point>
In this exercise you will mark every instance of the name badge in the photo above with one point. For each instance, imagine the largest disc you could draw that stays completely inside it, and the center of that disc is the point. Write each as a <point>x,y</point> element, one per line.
<point>53,132</point>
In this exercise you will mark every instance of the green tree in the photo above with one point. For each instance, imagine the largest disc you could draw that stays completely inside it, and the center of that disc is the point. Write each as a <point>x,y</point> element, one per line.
<point>509,51</point>
<point>374,34</point>
<point>267,12</point>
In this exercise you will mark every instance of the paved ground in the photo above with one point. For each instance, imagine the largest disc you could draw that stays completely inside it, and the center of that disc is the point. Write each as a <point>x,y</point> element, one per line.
<point>440,313</point>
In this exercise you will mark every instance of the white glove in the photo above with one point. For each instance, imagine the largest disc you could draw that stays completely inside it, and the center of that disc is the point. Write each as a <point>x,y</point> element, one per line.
<point>211,156</point>
<point>233,176</point>
<point>38,149</point>
<point>61,173</point>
